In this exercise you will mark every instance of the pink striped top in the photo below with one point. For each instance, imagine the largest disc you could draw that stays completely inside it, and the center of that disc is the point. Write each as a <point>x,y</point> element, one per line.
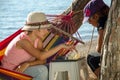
<point>14,56</point>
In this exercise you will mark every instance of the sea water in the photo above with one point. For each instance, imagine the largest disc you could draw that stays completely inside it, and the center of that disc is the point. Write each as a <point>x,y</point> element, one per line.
<point>13,15</point>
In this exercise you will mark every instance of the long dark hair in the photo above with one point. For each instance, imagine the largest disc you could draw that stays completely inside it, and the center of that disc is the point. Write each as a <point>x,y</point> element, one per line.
<point>104,11</point>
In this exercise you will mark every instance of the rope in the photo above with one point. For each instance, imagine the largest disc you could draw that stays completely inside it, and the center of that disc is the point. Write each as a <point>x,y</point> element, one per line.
<point>67,34</point>
<point>91,40</point>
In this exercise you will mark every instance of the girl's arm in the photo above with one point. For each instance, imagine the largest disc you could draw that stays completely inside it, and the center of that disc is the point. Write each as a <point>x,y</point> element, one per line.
<point>41,55</point>
<point>100,40</point>
<point>22,67</point>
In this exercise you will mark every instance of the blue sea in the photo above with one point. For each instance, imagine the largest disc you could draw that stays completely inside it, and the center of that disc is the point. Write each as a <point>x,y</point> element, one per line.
<point>13,15</point>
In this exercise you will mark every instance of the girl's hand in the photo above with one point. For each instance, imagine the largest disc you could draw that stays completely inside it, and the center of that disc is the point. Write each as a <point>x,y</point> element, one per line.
<point>22,67</point>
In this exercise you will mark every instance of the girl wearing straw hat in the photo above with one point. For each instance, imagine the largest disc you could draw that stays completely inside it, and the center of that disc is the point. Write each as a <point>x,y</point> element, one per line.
<point>25,52</point>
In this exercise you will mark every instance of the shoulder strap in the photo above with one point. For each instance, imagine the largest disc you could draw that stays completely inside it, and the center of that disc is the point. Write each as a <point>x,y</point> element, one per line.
<point>36,43</point>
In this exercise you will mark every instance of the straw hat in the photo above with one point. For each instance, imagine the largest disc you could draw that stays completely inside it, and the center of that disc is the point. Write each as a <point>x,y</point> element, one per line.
<point>36,20</point>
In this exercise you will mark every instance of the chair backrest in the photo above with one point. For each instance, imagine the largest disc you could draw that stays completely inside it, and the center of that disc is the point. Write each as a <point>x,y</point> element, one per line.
<point>53,40</point>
